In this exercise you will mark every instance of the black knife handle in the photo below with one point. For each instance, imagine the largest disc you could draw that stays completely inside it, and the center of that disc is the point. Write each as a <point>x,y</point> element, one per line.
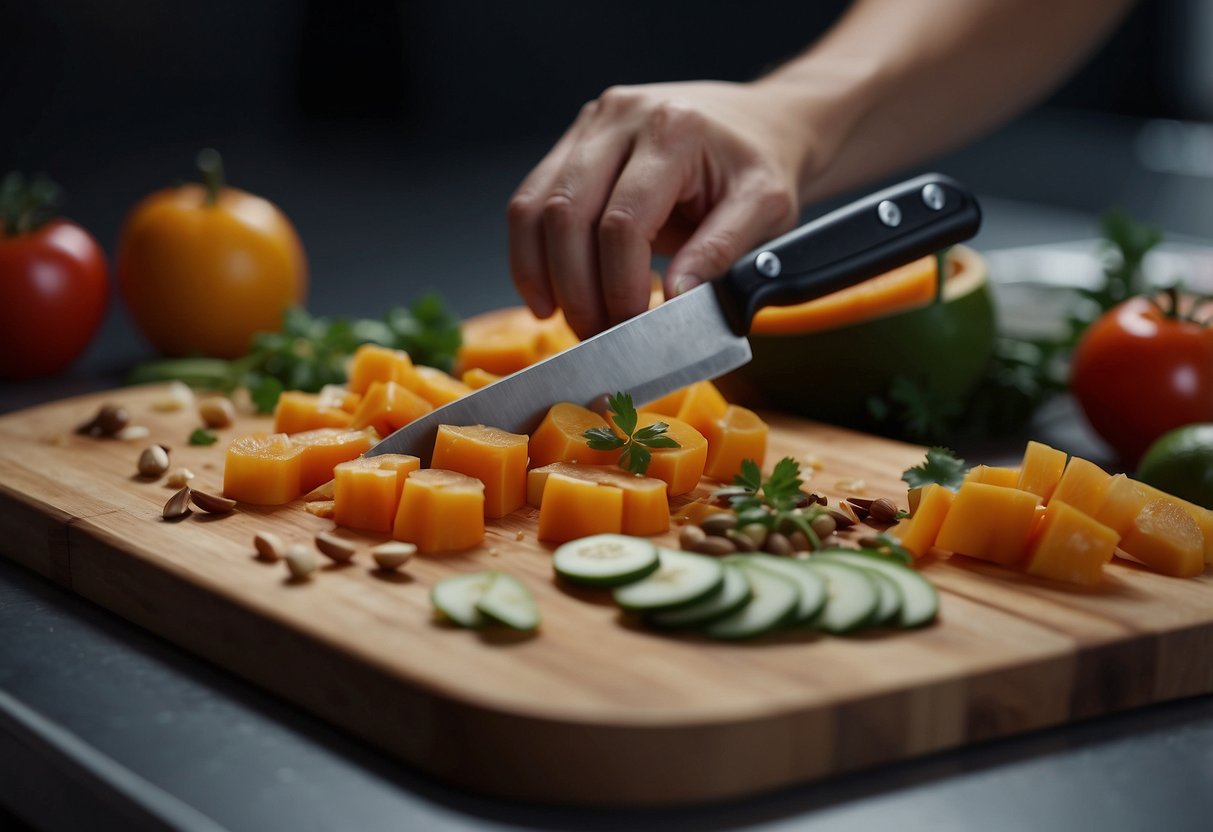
<point>847,246</point>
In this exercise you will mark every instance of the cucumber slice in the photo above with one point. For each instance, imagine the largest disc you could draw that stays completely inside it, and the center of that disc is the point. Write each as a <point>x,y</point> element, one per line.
<point>889,603</point>
<point>456,597</point>
<point>775,600</point>
<point>509,602</point>
<point>681,579</point>
<point>605,560</point>
<point>919,598</point>
<point>734,593</point>
<point>853,598</point>
<point>811,585</point>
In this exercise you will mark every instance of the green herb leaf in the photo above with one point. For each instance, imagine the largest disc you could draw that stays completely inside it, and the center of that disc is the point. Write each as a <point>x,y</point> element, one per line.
<point>750,476</point>
<point>202,436</point>
<point>941,466</point>
<point>635,456</point>
<point>265,392</point>
<point>603,439</point>
<point>783,486</point>
<point>621,405</point>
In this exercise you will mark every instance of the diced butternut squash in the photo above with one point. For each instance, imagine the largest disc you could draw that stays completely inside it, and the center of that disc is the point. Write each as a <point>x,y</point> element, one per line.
<point>1041,469</point>
<point>1070,545</point>
<point>339,396</point>
<point>372,363</point>
<point>918,533</point>
<point>476,378</point>
<point>1123,501</point>
<point>507,340</point>
<point>646,508</point>
<point>388,406</point>
<point>495,457</point>
<point>699,405</point>
<point>440,511</point>
<point>1082,485</point>
<point>366,490</point>
<point>990,522</point>
<point>560,437</point>
<point>1202,516</point>
<point>297,411</point>
<point>993,475</point>
<point>574,508</point>
<point>682,467</point>
<point>738,435</point>
<point>262,469</point>
<point>439,388</point>
<point>1166,539</point>
<point>325,448</point>
<point>668,404</point>
<point>555,335</point>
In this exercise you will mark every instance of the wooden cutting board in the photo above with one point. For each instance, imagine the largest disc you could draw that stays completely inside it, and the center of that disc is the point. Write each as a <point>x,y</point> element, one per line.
<point>591,709</point>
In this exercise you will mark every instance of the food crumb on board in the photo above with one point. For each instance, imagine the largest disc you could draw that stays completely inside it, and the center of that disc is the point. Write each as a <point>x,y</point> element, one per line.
<point>519,535</point>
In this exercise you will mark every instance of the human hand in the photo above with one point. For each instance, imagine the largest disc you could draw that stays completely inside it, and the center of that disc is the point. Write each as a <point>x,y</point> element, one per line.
<point>704,171</point>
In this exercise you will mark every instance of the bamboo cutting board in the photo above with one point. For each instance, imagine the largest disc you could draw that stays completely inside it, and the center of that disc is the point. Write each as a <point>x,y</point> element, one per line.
<point>591,709</point>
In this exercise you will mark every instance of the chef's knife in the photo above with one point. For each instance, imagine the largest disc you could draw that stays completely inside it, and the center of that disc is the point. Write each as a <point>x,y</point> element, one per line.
<point>702,334</point>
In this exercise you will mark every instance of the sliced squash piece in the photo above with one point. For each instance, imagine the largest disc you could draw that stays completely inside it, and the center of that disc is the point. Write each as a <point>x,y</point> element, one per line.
<point>366,490</point>
<point>993,475</point>
<point>372,363</point>
<point>918,533</point>
<point>495,457</point>
<point>574,508</point>
<point>298,411</point>
<point>440,511</point>
<point>388,406</point>
<point>560,437</point>
<point>325,448</point>
<point>476,378</point>
<point>738,435</point>
<point>439,388</point>
<point>1041,469</point>
<point>1166,539</point>
<point>646,508</point>
<point>990,522</point>
<point>1070,545</point>
<point>1083,485</point>
<point>263,469</point>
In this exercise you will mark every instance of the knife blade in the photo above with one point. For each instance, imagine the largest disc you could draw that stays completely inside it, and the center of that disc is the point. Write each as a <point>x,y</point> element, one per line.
<point>702,334</point>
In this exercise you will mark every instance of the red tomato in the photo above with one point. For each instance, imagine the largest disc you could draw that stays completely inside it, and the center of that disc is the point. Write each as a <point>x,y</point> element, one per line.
<point>55,287</point>
<point>1140,371</point>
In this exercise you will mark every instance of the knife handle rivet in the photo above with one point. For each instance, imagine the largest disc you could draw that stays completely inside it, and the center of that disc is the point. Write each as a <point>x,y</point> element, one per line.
<point>933,197</point>
<point>889,213</point>
<point>768,264</point>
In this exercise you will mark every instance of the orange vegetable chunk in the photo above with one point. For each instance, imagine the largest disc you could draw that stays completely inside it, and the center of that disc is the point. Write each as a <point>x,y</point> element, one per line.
<point>1122,502</point>
<point>263,469</point>
<point>440,511</point>
<point>682,467</point>
<point>990,522</point>
<point>739,434</point>
<point>1041,469</point>
<point>559,437</point>
<point>918,533</point>
<point>574,508</point>
<point>1070,545</point>
<point>495,457</point>
<point>298,411</point>
<point>439,388</point>
<point>324,448</point>
<point>1083,486</point>
<point>1202,516</point>
<point>372,363</point>
<point>366,490</point>
<point>668,404</point>
<point>476,378</point>
<point>993,475</point>
<point>1166,539</point>
<point>646,508</point>
<point>388,406</point>
<point>702,406</point>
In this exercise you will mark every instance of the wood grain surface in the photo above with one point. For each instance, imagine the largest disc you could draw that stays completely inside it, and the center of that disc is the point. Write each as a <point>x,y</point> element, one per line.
<point>592,709</point>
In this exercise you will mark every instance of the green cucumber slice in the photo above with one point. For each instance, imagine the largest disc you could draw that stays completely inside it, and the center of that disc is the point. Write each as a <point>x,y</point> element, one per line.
<point>456,597</point>
<point>853,597</point>
<point>605,560</point>
<point>509,602</point>
<point>889,603</point>
<point>681,579</point>
<point>774,601</point>
<point>811,585</point>
<point>734,593</point>
<point>919,598</point>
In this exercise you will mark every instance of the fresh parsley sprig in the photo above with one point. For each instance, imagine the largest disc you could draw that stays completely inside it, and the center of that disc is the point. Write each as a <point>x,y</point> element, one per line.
<point>941,466</point>
<point>636,454</point>
<point>773,502</point>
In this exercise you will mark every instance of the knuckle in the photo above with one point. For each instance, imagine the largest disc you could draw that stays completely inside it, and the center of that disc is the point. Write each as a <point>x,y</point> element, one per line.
<point>617,225</point>
<point>719,249</point>
<point>773,201</point>
<point>616,97</point>
<point>559,209</point>
<point>671,122</point>
<point>521,209</point>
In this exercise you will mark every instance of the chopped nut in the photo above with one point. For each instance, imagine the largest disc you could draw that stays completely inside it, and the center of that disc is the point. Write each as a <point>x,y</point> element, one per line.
<point>715,545</point>
<point>153,461</point>
<point>321,492</point>
<point>336,548</point>
<point>320,508</point>
<point>718,524</point>
<point>883,510</point>
<point>110,419</point>
<point>178,505</point>
<point>217,412</point>
<point>519,535</point>
<point>741,542</point>
<point>756,532</point>
<point>859,506</point>
<point>800,541</point>
<point>269,546</point>
<point>842,520</point>
<point>132,432</point>
<point>300,561</point>
<point>179,477</point>
<point>393,554</point>
<point>778,544</point>
<point>823,525</point>
<point>690,536</point>
<point>177,396</point>
<point>212,503</point>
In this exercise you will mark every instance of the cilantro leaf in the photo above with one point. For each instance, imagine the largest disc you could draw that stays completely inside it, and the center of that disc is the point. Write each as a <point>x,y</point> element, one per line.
<point>750,476</point>
<point>621,405</point>
<point>636,455</point>
<point>941,466</point>
<point>635,458</point>
<point>603,439</point>
<point>783,486</point>
<point>202,436</point>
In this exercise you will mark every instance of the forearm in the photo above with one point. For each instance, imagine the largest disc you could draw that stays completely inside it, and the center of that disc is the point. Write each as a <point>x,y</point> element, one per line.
<point>896,82</point>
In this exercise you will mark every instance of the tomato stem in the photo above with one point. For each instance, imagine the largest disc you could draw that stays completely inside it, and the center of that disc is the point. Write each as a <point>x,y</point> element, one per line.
<point>210,165</point>
<point>27,206</point>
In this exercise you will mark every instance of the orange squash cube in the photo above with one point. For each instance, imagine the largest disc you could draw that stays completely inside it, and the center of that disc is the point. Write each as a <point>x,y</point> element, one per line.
<point>993,475</point>
<point>668,404</point>
<point>388,406</point>
<point>325,448</point>
<point>990,522</point>
<point>372,363</point>
<point>1082,485</point>
<point>560,437</point>
<point>366,490</point>
<point>500,342</point>
<point>439,388</point>
<point>918,533</point>
<point>1123,500</point>
<point>476,378</point>
<point>261,469</point>
<point>1166,539</point>
<point>1070,545</point>
<point>574,508</point>
<point>681,468</point>
<point>1041,469</point>
<point>440,511</point>
<point>738,435</point>
<point>646,508</point>
<point>495,457</point>
<point>339,396</point>
<point>555,335</point>
<point>1202,516</point>
<point>298,411</point>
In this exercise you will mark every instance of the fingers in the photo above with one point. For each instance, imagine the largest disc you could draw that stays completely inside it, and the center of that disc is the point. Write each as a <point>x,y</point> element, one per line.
<point>751,213</point>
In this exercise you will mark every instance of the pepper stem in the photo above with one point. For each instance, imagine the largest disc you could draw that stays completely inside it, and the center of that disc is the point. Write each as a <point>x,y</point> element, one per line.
<point>210,165</point>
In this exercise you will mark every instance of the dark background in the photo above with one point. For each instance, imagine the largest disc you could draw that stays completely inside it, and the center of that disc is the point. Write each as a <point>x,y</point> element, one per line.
<point>392,133</point>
